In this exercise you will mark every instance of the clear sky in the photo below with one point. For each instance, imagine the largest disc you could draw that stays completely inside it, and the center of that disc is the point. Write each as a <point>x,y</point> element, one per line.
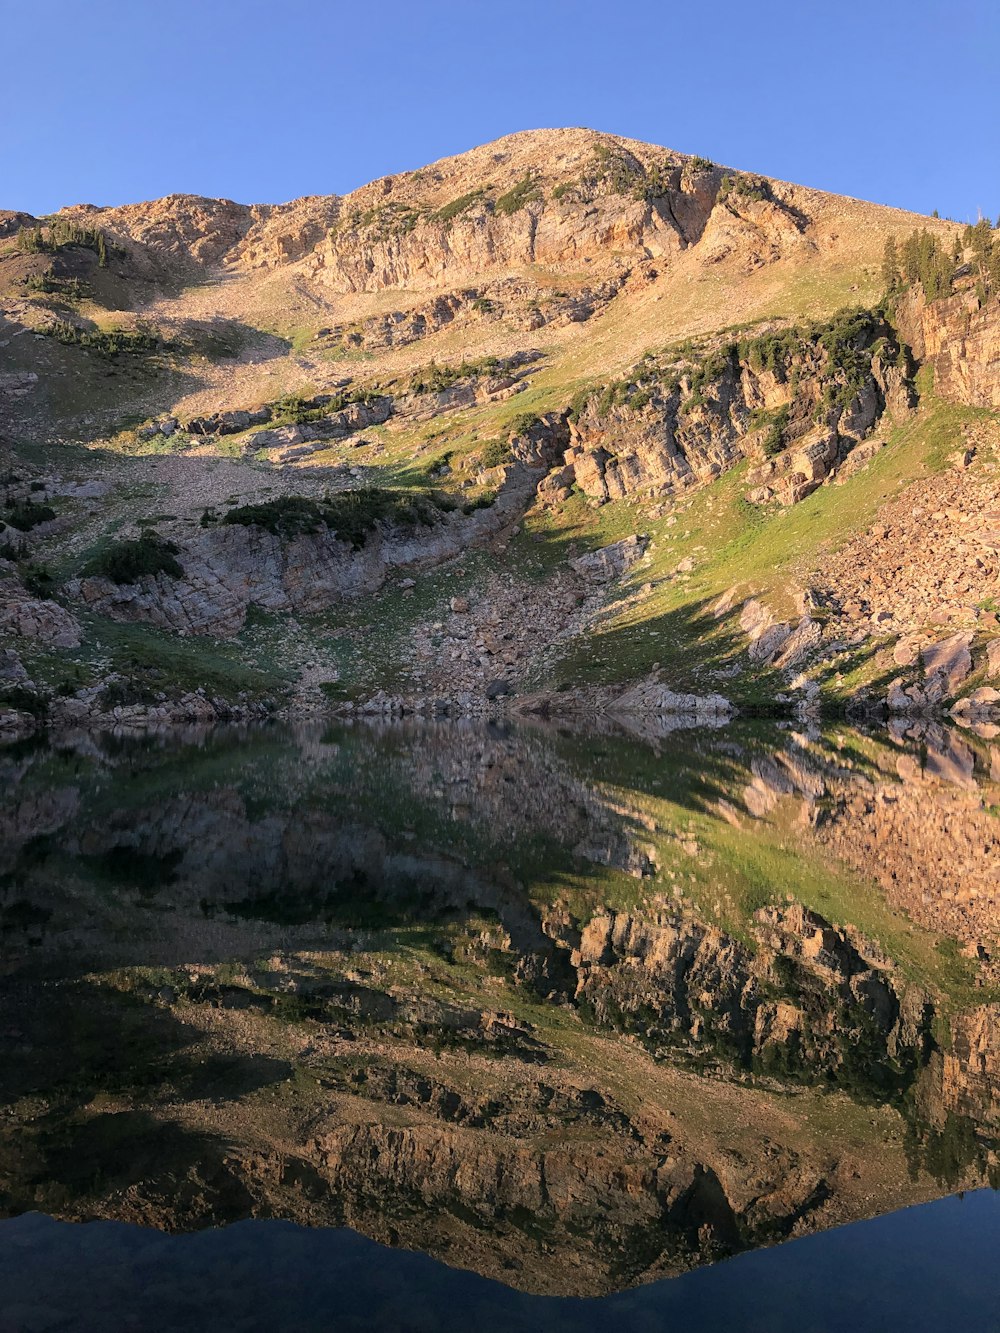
<point>109,101</point>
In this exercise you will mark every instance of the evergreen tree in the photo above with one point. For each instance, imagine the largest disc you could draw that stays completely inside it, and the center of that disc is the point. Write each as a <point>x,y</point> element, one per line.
<point>981,243</point>
<point>891,277</point>
<point>994,269</point>
<point>924,260</point>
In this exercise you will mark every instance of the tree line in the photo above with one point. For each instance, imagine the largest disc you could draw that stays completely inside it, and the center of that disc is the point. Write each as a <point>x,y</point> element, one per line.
<point>923,258</point>
<point>61,234</point>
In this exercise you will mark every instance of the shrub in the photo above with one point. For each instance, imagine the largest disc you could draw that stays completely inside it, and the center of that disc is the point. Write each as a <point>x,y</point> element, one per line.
<point>25,515</point>
<point>13,551</point>
<point>123,693</point>
<point>771,351</point>
<point>745,187</point>
<point>351,515</point>
<point>483,501</point>
<point>435,378</point>
<point>515,199</point>
<point>774,440</point>
<point>923,259</point>
<point>70,289</point>
<point>578,404</point>
<point>385,219</point>
<point>459,205</point>
<point>711,368</point>
<point>62,234</point>
<point>24,700</point>
<point>523,423</point>
<point>106,342</point>
<point>293,410</point>
<point>129,561</point>
<point>38,580</point>
<point>613,169</point>
<point>32,240</point>
<point>493,453</point>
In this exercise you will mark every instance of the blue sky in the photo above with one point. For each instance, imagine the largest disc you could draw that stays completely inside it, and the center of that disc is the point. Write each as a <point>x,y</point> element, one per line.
<point>108,101</point>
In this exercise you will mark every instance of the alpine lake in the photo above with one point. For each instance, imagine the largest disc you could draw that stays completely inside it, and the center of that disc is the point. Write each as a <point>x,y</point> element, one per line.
<point>438,1026</point>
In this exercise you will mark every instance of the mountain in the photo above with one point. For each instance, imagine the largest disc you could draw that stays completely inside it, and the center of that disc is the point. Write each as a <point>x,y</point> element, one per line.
<point>565,422</point>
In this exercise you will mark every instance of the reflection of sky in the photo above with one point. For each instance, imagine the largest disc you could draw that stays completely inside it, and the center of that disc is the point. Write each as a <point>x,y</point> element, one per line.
<point>927,1268</point>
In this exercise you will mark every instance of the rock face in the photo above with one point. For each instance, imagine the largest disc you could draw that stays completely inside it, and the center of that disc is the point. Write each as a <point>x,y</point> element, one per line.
<point>37,619</point>
<point>959,337</point>
<point>676,426</point>
<point>544,197</point>
<point>638,203</point>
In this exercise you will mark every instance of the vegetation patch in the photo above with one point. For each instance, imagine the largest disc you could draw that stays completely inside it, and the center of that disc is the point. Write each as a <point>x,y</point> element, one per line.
<point>62,235</point>
<point>294,410</point>
<point>494,452</point>
<point>385,220</point>
<point>50,284</point>
<point>838,351</point>
<point>777,424</point>
<point>106,342</point>
<point>524,423</point>
<point>458,206</point>
<point>923,259</point>
<point>129,561</point>
<point>353,516</point>
<point>24,700</point>
<point>26,514</point>
<point>524,192</point>
<point>742,186</point>
<point>435,378</point>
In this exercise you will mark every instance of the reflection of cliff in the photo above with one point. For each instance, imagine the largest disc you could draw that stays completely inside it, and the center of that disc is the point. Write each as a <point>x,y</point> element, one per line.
<point>379,979</point>
<point>920,821</point>
<point>548,1157</point>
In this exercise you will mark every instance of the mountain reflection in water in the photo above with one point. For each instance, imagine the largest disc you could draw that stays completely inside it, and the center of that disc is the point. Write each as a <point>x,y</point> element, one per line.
<point>571,1012</point>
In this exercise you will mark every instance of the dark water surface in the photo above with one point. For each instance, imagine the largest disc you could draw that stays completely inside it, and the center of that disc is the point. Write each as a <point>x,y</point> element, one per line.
<point>446,1026</point>
<point>925,1269</point>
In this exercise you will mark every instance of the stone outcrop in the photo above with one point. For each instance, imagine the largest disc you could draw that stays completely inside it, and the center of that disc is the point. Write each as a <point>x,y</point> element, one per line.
<point>610,562</point>
<point>959,338</point>
<point>38,619</point>
<point>675,427</point>
<point>654,698</point>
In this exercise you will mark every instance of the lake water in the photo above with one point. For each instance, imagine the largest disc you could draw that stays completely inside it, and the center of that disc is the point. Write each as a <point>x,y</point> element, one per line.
<point>430,1026</point>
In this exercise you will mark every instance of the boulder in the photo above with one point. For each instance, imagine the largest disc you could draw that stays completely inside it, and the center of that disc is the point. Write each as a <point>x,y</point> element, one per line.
<point>41,620</point>
<point>949,659</point>
<point>610,562</point>
<point>12,671</point>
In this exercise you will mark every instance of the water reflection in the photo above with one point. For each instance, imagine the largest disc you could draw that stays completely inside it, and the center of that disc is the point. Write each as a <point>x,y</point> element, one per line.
<point>571,1011</point>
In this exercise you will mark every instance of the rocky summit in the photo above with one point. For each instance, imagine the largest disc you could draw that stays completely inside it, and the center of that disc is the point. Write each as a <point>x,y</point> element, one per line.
<point>566,424</point>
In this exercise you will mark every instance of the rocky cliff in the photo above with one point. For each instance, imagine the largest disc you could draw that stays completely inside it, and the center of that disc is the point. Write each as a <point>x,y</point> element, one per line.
<point>959,339</point>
